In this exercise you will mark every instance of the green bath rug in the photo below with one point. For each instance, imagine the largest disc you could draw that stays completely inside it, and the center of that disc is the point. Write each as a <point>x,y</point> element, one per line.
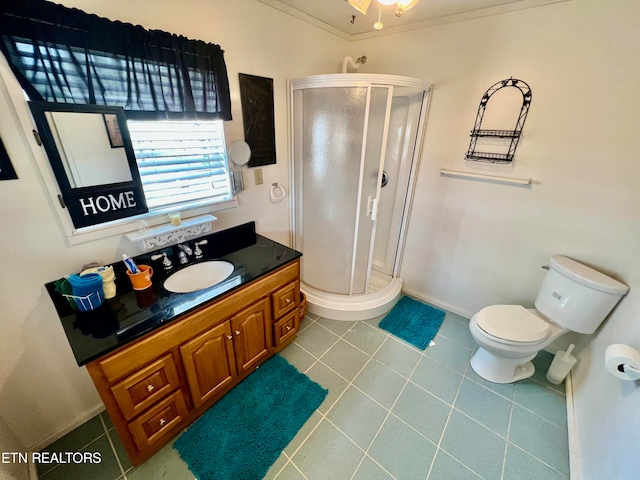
<point>413,321</point>
<point>242,434</point>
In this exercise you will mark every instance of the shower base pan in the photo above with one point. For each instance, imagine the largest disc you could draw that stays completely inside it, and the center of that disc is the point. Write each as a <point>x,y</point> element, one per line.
<point>354,307</point>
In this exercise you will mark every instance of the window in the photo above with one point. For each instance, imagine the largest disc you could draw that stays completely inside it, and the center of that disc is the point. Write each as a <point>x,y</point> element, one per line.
<point>181,162</point>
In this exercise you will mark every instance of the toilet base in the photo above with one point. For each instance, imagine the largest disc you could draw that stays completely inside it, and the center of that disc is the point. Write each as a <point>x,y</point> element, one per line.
<point>501,369</point>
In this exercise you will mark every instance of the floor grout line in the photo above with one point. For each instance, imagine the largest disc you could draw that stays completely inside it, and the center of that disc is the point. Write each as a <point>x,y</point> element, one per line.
<point>538,459</point>
<point>349,384</point>
<point>113,448</point>
<point>79,449</point>
<point>389,411</point>
<point>444,429</point>
<point>324,415</point>
<point>506,447</point>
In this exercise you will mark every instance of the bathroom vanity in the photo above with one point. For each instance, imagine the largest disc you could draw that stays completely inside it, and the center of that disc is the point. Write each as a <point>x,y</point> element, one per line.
<point>160,359</point>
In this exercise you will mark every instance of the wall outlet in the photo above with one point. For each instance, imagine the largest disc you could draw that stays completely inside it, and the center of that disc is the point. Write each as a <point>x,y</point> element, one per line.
<point>257,175</point>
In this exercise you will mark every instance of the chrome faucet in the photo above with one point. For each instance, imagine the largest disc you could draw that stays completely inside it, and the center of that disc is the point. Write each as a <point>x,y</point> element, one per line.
<point>166,263</point>
<point>197,252</point>
<point>185,251</point>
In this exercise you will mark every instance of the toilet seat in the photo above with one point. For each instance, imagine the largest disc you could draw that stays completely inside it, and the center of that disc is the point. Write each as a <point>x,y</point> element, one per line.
<point>512,323</point>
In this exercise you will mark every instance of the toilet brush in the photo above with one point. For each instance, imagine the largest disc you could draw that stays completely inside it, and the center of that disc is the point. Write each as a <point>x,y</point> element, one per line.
<point>562,363</point>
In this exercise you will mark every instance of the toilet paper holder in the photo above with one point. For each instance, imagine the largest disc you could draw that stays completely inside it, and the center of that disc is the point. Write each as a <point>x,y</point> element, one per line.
<point>623,361</point>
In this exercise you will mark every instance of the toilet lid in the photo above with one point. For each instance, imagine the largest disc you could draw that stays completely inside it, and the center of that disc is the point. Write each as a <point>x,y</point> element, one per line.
<point>512,322</point>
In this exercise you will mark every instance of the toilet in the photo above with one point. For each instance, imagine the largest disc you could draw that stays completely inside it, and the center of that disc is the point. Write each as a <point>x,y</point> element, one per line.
<point>572,297</point>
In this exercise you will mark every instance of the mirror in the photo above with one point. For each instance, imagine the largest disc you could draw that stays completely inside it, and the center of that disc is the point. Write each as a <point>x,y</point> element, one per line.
<point>89,157</point>
<point>92,158</point>
<point>240,153</point>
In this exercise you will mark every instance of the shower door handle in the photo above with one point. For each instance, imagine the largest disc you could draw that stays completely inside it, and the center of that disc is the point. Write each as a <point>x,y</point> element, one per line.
<point>372,208</point>
<point>385,179</point>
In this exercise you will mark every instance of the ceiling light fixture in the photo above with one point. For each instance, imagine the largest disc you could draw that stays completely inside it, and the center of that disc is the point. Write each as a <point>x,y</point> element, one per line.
<point>401,6</point>
<point>404,5</point>
<point>378,25</point>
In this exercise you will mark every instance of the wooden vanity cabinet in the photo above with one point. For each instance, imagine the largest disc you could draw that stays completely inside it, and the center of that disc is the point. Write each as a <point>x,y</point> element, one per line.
<point>157,385</point>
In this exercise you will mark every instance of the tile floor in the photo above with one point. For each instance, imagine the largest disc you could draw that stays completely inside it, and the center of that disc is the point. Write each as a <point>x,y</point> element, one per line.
<point>392,411</point>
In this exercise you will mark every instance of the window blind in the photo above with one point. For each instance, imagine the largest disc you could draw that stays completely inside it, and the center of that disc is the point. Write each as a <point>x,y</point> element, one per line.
<point>181,161</point>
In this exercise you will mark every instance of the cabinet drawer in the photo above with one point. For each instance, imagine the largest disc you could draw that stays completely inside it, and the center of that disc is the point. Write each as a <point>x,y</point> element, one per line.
<point>284,300</point>
<point>139,391</point>
<point>158,421</point>
<point>285,328</point>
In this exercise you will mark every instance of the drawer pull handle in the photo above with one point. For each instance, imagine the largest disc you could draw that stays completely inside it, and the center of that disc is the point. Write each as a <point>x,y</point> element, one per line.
<point>288,300</point>
<point>288,327</point>
<point>162,422</point>
<point>237,332</point>
<point>150,388</point>
<point>229,337</point>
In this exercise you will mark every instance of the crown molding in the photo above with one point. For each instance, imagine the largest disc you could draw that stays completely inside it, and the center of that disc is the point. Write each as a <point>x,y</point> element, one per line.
<point>459,17</point>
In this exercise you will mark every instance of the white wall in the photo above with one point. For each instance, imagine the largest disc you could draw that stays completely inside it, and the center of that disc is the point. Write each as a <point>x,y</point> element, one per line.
<point>470,243</point>
<point>473,243</point>
<point>43,392</point>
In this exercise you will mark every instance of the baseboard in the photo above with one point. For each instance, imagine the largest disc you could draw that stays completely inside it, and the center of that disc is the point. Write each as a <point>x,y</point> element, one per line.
<point>63,431</point>
<point>438,303</point>
<point>572,432</point>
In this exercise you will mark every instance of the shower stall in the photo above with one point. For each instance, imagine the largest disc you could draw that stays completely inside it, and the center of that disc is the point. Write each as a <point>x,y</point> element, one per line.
<point>355,143</point>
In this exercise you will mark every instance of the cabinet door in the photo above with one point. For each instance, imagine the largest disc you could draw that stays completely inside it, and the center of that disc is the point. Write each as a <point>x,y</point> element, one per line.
<point>209,363</point>
<point>251,334</point>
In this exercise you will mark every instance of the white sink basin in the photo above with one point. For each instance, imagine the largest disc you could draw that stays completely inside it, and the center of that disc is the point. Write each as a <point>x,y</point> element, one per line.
<point>198,276</point>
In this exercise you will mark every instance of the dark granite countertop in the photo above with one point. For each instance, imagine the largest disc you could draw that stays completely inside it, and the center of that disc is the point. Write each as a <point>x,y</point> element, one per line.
<point>132,314</point>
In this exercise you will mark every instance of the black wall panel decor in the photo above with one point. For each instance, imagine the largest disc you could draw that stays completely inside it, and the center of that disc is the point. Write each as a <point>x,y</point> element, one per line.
<point>6,169</point>
<point>256,94</point>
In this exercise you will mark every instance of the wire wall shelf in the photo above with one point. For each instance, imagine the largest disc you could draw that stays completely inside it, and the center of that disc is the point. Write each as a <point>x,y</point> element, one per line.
<point>514,134</point>
<point>496,133</point>
<point>503,158</point>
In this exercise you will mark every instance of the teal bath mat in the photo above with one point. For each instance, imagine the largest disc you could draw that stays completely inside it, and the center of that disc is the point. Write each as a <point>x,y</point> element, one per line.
<point>242,434</point>
<point>413,322</point>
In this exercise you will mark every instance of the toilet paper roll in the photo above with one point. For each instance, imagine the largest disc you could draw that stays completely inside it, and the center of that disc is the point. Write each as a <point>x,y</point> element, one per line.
<point>618,358</point>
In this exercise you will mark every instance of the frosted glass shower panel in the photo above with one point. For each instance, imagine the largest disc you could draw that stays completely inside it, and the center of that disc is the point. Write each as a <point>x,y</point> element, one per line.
<point>401,144</point>
<point>373,159</point>
<point>328,148</point>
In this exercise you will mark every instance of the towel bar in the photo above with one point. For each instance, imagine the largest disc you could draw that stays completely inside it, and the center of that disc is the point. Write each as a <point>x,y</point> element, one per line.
<point>497,178</point>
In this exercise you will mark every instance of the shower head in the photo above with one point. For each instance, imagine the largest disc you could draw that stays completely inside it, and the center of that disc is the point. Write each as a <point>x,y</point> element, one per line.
<point>348,61</point>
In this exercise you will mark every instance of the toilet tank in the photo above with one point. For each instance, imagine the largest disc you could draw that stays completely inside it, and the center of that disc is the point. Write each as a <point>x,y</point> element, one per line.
<point>577,297</point>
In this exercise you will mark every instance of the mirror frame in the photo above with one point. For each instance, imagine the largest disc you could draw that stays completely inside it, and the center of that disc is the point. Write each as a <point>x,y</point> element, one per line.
<point>100,203</point>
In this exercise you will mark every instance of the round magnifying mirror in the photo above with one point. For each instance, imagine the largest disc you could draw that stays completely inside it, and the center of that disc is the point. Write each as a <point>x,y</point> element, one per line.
<point>240,153</point>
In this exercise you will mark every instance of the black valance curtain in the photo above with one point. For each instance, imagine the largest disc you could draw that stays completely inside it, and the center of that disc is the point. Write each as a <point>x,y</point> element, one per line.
<point>64,55</point>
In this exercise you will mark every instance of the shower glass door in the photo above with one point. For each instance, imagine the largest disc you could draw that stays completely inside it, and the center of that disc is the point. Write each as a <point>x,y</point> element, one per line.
<point>338,139</point>
<point>401,143</point>
<point>329,125</point>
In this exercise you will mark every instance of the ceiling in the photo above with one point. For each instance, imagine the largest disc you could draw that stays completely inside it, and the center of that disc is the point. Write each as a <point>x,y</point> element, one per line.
<point>336,16</point>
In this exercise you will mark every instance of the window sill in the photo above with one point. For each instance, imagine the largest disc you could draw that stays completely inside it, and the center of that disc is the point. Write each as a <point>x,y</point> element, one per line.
<point>154,238</point>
